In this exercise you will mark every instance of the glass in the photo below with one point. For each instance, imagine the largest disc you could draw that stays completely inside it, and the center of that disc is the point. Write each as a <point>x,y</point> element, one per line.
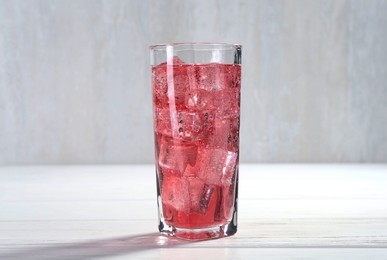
<point>196,104</point>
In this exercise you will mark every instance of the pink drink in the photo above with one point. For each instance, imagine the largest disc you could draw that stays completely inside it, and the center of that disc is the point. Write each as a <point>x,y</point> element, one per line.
<point>196,112</point>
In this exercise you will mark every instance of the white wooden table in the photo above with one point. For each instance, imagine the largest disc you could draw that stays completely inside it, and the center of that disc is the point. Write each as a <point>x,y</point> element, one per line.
<point>285,212</point>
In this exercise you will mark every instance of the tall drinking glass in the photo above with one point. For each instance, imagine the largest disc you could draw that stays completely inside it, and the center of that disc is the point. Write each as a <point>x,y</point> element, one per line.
<point>196,104</point>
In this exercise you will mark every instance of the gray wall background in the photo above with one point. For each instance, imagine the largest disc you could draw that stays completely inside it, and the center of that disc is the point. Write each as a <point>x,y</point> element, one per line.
<point>75,80</point>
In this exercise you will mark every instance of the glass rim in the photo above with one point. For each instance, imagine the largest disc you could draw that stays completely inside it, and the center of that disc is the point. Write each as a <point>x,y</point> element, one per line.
<point>163,46</point>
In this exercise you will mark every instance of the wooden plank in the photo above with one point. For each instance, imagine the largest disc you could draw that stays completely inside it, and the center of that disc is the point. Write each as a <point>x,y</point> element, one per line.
<point>274,238</point>
<point>87,212</point>
<point>260,233</point>
<point>124,252</point>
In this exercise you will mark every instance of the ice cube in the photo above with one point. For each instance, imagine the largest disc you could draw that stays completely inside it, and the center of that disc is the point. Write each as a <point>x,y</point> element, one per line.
<point>195,192</point>
<point>225,103</point>
<point>220,135</point>
<point>189,125</point>
<point>217,166</point>
<point>166,171</point>
<point>228,172</point>
<point>175,61</point>
<point>208,77</point>
<point>160,85</point>
<point>206,197</point>
<point>208,119</point>
<point>179,85</point>
<point>196,99</point>
<point>194,126</point>
<point>174,192</point>
<point>233,137</point>
<point>200,195</point>
<point>175,154</point>
<point>170,81</point>
<point>191,170</point>
<point>228,199</point>
<point>231,76</point>
<point>215,76</point>
<point>163,121</point>
<point>184,124</point>
<point>236,76</point>
<point>226,204</point>
<point>225,134</point>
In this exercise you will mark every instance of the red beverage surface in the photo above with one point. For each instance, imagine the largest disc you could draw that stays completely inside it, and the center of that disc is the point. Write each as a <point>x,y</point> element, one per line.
<point>196,112</point>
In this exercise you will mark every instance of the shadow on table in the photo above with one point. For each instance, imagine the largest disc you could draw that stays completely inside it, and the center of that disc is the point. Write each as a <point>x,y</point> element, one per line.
<point>97,248</point>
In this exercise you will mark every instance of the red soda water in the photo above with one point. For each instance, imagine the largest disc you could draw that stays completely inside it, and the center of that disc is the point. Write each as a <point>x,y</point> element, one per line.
<point>196,112</point>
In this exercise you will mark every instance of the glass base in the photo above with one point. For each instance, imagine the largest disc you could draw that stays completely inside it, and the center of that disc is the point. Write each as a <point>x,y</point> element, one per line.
<point>223,230</point>
<point>199,234</point>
